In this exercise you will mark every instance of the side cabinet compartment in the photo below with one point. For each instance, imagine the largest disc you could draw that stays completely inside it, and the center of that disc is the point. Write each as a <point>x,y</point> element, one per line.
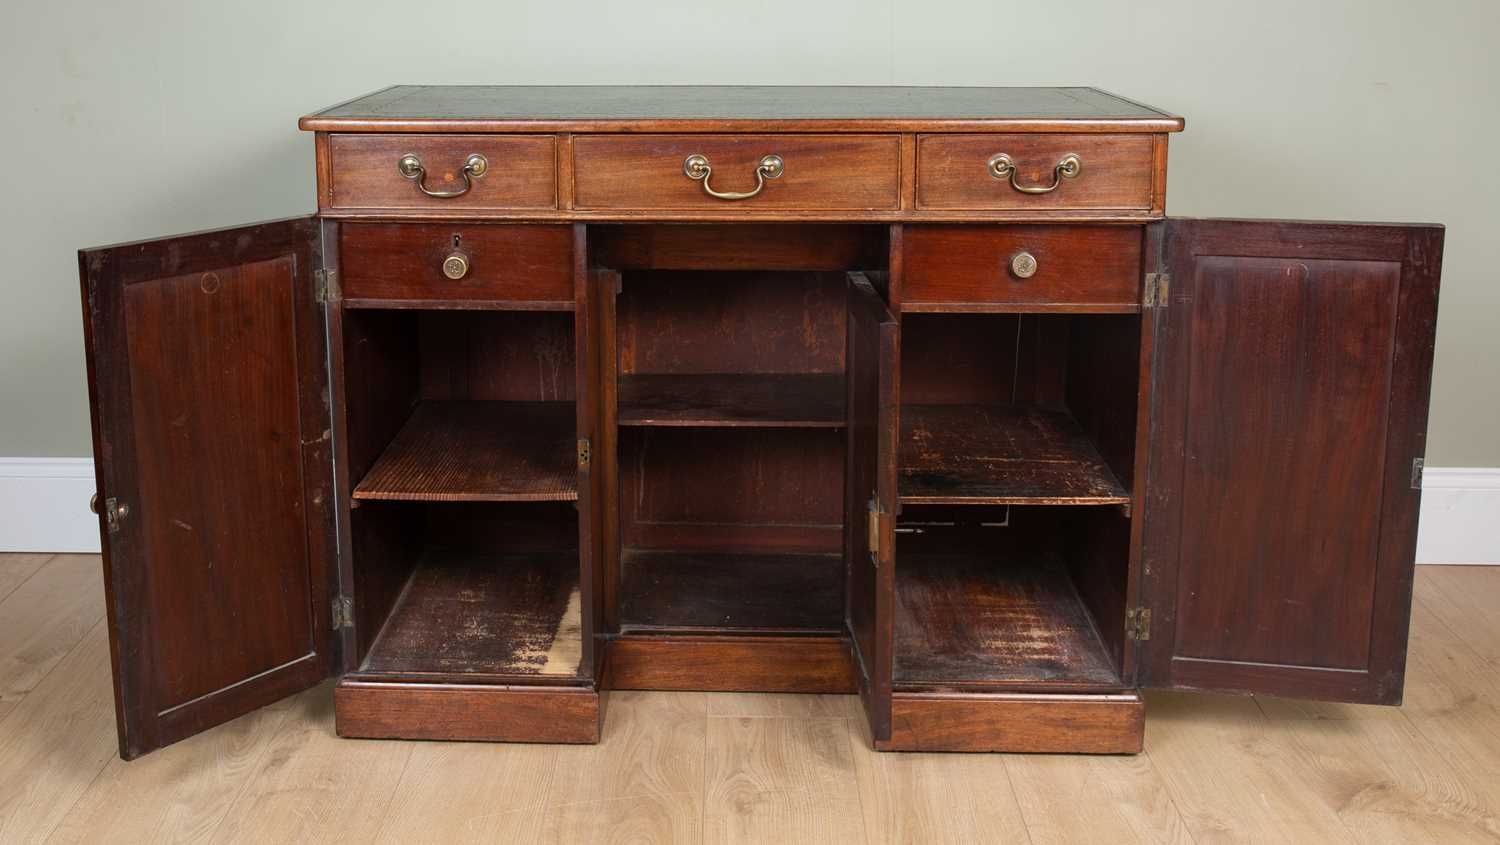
<point>469,474</point>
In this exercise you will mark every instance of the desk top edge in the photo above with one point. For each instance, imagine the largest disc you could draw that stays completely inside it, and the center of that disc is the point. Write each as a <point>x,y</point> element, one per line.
<point>655,108</point>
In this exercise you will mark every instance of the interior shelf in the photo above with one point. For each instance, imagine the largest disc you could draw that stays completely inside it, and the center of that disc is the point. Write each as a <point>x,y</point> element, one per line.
<point>750,400</point>
<point>1000,455</point>
<point>768,592</point>
<point>479,451</point>
<point>485,614</point>
<point>994,620</point>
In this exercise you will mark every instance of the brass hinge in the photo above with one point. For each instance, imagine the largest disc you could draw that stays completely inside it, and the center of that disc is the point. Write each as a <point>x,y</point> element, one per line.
<point>322,280</point>
<point>1417,466</point>
<point>872,530</point>
<point>343,612</point>
<point>1156,290</point>
<point>114,511</point>
<point>585,453</point>
<point>1138,624</point>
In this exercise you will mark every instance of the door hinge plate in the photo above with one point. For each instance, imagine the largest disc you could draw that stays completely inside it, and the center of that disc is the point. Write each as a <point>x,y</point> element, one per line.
<point>872,530</point>
<point>1417,467</point>
<point>114,512</point>
<point>585,453</point>
<point>323,279</point>
<point>343,612</point>
<point>1138,624</point>
<point>1156,290</point>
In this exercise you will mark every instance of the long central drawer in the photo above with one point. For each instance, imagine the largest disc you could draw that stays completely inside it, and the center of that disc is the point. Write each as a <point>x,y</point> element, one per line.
<point>816,172</point>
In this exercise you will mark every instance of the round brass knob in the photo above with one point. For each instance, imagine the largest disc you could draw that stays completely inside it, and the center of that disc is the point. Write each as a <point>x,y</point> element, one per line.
<point>456,266</point>
<point>1023,265</point>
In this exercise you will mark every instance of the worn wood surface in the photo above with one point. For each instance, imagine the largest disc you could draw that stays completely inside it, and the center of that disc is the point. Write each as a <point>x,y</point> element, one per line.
<point>522,171</point>
<point>1000,454</point>
<point>1214,767</point>
<point>738,108</point>
<point>703,591</point>
<point>1117,172</point>
<point>967,269</point>
<point>393,265</point>
<point>1010,618</point>
<point>733,400</point>
<point>510,614</point>
<point>479,452</point>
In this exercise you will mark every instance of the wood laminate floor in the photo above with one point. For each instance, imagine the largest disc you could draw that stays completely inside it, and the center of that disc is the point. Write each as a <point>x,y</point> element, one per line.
<point>697,767</point>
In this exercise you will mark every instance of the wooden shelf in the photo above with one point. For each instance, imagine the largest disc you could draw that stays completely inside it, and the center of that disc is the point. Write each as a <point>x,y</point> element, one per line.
<point>470,451</point>
<point>746,400</point>
<point>995,620</point>
<point>696,591</point>
<point>484,615</point>
<point>1000,455</point>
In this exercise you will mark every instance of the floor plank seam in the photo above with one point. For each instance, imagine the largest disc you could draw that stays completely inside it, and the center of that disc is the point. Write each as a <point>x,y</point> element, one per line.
<point>558,805</point>
<point>17,709</point>
<point>855,739</point>
<point>1015,796</point>
<point>703,783</point>
<point>1171,799</point>
<point>21,583</point>
<point>253,767</point>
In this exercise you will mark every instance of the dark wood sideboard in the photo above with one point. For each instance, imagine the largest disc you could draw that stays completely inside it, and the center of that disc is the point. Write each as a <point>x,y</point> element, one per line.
<point>909,392</point>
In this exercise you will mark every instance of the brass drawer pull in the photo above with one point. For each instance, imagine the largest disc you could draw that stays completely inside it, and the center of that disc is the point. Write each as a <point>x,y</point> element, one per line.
<point>1001,166</point>
<point>697,168</point>
<point>456,266</point>
<point>411,167</point>
<point>1023,265</point>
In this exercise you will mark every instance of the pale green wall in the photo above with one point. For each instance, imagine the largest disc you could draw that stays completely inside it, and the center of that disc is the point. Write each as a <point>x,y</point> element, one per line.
<point>130,120</point>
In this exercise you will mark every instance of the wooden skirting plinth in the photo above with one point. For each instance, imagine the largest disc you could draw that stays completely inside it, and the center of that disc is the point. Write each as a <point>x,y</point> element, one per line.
<point>1043,724</point>
<point>729,664</point>
<point>370,710</point>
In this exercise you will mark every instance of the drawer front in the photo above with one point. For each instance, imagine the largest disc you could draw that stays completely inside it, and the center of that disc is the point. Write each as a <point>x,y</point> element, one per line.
<point>520,171</point>
<point>970,268</point>
<point>819,172</point>
<point>1115,172</point>
<point>506,263</point>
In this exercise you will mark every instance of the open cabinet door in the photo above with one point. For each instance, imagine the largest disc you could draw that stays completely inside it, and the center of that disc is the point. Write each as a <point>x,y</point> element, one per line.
<point>874,353</point>
<point>208,377</point>
<point>1289,424</point>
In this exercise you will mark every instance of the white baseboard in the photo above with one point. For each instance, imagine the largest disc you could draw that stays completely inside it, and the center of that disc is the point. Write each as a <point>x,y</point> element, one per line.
<point>44,508</point>
<point>44,505</point>
<point>1460,515</point>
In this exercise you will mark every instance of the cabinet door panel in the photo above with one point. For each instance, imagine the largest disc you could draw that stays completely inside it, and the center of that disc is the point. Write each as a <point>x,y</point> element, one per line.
<point>1292,401</point>
<point>208,375</point>
<point>873,356</point>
